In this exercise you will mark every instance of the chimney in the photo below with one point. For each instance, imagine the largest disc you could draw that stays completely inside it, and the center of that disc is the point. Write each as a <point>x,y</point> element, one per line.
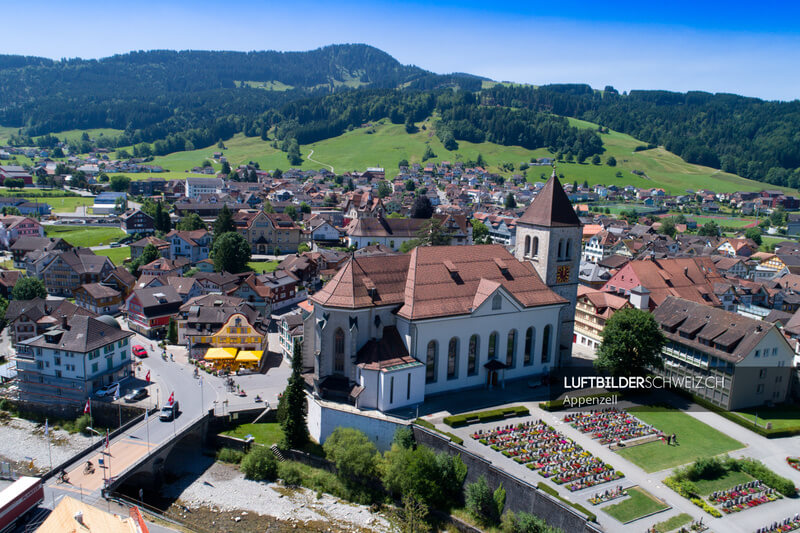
<point>64,324</point>
<point>78,516</point>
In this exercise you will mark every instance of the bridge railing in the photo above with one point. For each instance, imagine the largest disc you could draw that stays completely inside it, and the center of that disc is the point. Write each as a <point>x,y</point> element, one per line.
<point>116,480</point>
<point>93,447</point>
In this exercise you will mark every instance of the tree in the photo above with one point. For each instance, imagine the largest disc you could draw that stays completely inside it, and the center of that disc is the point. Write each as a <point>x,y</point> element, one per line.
<point>510,202</point>
<point>421,208</point>
<point>585,184</point>
<point>14,183</point>
<point>410,185</point>
<point>149,254</point>
<point>668,227</point>
<point>190,222</point>
<point>596,159</point>
<point>419,472</point>
<point>172,332</point>
<point>28,288</point>
<point>277,174</point>
<point>303,247</point>
<point>428,153</point>
<point>709,229</point>
<point>295,427</point>
<point>402,163</point>
<point>161,219</point>
<point>384,189</point>
<point>753,234</point>
<point>103,177</point>
<point>411,518</point>
<point>525,523</point>
<point>611,161</point>
<point>293,153</point>
<point>480,162</point>
<point>353,454</point>
<point>483,504</point>
<point>480,232</point>
<point>226,168</point>
<point>230,253</point>
<point>224,223</point>
<point>305,208</point>
<point>11,210</point>
<point>221,145</point>
<point>119,183</point>
<point>260,464</point>
<point>3,309</point>
<point>291,211</point>
<point>632,342</point>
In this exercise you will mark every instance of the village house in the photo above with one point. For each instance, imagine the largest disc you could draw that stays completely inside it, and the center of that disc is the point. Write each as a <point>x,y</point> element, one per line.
<point>150,309</point>
<point>193,245</point>
<point>749,361</point>
<point>99,298</point>
<point>136,221</point>
<point>203,323</point>
<point>69,270</point>
<point>72,359</point>
<point>29,318</point>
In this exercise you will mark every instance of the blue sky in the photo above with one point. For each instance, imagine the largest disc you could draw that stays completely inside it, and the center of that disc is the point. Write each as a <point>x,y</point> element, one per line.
<point>746,48</point>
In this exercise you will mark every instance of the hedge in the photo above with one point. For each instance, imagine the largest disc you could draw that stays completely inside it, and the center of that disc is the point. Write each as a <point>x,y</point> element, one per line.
<point>759,471</point>
<point>552,492</point>
<point>426,424</point>
<point>457,421</point>
<point>558,405</point>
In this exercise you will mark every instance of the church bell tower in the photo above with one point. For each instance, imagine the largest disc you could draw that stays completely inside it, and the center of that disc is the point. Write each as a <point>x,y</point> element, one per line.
<point>549,236</point>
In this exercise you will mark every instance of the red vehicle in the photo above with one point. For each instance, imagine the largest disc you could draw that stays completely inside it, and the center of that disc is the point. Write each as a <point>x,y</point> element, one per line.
<point>17,500</point>
<point>139,351</point>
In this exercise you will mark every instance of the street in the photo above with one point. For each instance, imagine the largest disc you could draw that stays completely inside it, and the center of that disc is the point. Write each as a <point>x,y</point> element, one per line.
<point>196,395</point>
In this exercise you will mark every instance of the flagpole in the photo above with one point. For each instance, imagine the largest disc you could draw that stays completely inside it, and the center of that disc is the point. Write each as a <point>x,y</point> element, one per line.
<point>147,427</point>
<point>47,436</point>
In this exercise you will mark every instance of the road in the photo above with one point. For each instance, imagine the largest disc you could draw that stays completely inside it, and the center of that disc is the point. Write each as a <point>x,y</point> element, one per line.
<point>195,396</point>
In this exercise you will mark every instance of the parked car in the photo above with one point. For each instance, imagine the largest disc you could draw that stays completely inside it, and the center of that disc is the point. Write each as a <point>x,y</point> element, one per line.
<point>108,390</point>
<point>139,351</point>
<point>135,395</point>
<point>169,412</point>
<point>115,245</point>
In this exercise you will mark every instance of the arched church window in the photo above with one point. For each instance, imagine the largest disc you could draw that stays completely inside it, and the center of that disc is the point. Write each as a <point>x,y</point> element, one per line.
<point>430,362</point>
<point>338,350</point>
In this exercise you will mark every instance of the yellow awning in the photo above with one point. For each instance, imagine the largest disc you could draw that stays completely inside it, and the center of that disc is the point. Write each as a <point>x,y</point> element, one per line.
<point>217,354</point>
<point>247,356</point>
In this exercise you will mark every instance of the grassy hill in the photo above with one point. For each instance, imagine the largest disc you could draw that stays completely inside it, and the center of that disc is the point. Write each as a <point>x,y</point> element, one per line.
<point>384,144</point>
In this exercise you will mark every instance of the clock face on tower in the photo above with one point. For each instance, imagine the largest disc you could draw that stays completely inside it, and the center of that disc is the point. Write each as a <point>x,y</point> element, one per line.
<point>562,274</point>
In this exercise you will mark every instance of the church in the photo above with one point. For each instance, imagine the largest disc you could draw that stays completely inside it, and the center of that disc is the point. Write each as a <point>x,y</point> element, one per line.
<point>387,331</point>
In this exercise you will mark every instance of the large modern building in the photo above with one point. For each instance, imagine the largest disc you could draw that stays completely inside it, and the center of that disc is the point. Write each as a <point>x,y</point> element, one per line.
<point>389,330</point>
<point>72,359</point>
<point>749,360</point>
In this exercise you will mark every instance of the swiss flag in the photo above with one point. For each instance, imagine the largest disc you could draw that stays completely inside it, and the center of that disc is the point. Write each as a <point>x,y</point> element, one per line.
<point>147,377</point>
<point>171,398</point>
<point>87,408</point>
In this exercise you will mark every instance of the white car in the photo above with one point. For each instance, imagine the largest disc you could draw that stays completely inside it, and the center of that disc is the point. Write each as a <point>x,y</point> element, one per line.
<point>108,390</point>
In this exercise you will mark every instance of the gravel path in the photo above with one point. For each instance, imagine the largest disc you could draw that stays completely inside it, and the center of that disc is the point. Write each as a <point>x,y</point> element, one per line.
<point>21,439</point>
<point>224,488</point>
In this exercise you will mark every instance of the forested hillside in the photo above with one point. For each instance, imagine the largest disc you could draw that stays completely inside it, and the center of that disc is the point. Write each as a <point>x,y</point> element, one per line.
<point>753,138</point>
<point>167,101</point>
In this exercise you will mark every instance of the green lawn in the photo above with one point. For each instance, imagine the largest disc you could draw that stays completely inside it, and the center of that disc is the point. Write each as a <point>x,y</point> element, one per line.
<point>695,440</point>
<point>117,255</point>
<point>781,417</point>
<point>85,236</point>
<point>67,204</point>
<point>263,266</point>
<point>729,480</point>
<point>673,523</point>
<point>269,433</point>
<point>638,504</point>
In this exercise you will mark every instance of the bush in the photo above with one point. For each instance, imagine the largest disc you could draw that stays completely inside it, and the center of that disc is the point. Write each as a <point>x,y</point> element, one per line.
<point>404,437</point>
<point>759,471</point>
<point>481,502</point>
<point>435,480</point>
<point>354,455</point>
<point>706,468</point>
<point>706,507</point>
<point>290,473</point>
<point>79,425</point>
<point>485,416</point>
<point>6,405</point>
<point>525,523</point>
<point>229,455</point>
<point>260,464</point>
